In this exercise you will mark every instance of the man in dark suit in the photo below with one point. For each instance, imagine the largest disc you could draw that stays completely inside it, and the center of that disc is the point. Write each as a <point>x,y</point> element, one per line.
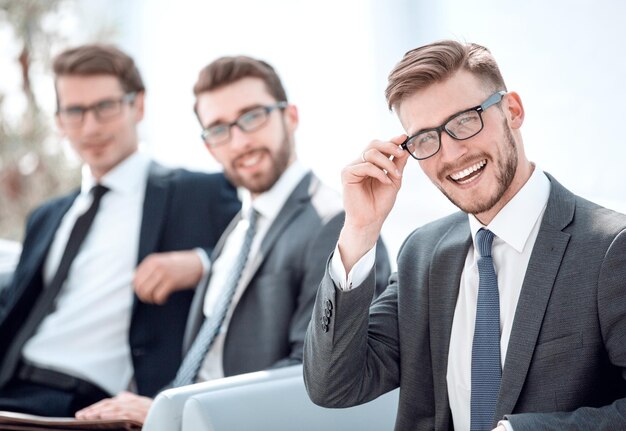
<point>72,329</point>
<point>248,126</point>
<point>510,314</point>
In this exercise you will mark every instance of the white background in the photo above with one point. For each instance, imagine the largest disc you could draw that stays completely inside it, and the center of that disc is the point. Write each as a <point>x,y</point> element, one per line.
<point>564,57</point>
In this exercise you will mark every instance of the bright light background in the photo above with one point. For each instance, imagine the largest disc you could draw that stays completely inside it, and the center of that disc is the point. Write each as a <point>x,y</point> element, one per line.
<point>564,57</point>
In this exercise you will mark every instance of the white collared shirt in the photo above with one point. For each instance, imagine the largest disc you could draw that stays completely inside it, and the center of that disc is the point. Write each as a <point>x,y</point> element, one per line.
<point>516,227</point>
<point>87,334</point>
<point>268,205</point>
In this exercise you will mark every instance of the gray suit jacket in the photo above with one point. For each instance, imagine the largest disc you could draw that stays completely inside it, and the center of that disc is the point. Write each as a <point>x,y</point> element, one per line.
<point>566,360</point>
<point>269,322</point>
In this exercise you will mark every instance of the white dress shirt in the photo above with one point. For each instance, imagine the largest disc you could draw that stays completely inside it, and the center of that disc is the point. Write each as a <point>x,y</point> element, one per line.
<point>268,205</point>
<point>87,334</point>
<point>516,227</point>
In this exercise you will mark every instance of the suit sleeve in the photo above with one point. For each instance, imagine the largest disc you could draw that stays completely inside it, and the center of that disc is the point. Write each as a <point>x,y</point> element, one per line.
<point>7,292</point>
<point>612,316</point>
<point>353,356</point>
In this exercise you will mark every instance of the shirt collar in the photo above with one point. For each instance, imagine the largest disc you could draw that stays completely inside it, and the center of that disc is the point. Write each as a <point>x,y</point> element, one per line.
<point>269,203</point>
<point>123,177</point>
<point>515,221</point>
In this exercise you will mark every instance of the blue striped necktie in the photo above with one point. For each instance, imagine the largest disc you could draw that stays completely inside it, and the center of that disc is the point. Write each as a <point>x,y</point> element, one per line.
<point>486,369</point>
<point>190,367</point>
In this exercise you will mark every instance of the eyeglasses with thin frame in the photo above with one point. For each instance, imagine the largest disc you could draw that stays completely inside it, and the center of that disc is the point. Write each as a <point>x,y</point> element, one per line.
<point>249,121</point>
<point>104,110</point>
<point>460,126</point>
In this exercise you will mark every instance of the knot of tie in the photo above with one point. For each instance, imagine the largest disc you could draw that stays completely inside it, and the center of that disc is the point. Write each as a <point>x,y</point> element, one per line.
<point>484,238</point>
<point>98,191</point>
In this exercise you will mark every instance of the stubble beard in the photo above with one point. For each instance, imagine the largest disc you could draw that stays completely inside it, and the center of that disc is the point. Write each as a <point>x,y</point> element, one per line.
<point>264,181</point>
<point>506,168</point>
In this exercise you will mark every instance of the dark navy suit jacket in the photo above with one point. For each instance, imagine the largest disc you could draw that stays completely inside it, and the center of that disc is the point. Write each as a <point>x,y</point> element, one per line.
<point>182,210</point>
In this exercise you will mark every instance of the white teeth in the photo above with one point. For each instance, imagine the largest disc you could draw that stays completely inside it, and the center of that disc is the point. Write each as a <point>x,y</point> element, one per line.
<point>251,160</point>
<point>465,172</point>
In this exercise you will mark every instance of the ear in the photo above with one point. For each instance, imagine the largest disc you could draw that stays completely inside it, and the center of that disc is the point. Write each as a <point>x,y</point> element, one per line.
<point>138,104</point>
<point>291,118</point>
<point>514,110</point>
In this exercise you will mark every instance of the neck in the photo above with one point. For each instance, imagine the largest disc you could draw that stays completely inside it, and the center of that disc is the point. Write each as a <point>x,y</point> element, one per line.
<point>522,176</point>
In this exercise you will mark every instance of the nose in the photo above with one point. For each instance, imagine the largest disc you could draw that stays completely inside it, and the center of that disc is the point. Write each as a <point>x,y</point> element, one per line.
<point>238,138</point>
<point>451,149</point>
<point>90,122</point>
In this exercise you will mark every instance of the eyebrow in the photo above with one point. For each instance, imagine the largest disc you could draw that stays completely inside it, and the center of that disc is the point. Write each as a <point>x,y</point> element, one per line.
<point>97,102</point>
<point>240,112</point>
<point>425,129</point>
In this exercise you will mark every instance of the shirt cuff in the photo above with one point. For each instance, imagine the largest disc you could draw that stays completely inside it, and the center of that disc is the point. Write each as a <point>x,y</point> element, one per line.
<point>206,265</point>
<point>359,271</point>
<point>506,425</point>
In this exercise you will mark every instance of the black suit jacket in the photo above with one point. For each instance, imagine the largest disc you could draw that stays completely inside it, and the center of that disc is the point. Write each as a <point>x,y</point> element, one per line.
<point>269,322</point>
<point>182,210</point>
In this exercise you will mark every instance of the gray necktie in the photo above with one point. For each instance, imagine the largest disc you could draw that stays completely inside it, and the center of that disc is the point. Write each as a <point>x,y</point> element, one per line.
<point>190,367</point>
<point>486,368</point>
<point>45,302</point>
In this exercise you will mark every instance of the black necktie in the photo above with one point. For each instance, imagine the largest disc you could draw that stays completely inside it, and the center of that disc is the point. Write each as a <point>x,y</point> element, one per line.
<point>45,302</point>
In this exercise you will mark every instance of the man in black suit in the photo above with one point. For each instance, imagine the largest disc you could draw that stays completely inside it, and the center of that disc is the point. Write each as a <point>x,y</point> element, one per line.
<point>74,330</point>
<point>248,127</point>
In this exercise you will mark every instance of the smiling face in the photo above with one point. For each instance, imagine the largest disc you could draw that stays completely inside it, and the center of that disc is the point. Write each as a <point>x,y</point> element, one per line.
<point>102,145</point>
<point>253,160</point>
<point>481,174</point>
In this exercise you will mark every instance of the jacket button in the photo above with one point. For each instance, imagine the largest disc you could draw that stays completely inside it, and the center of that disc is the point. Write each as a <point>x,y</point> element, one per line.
<point>329,304</point>
<point>325,328</point>
<point>328,312</point>
<point>325,320</point>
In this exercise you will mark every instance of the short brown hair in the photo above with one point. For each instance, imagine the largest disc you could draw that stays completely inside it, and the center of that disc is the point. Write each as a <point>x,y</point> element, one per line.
<point>438,61</point>
<point>226,70</point>
<point>100,59</point>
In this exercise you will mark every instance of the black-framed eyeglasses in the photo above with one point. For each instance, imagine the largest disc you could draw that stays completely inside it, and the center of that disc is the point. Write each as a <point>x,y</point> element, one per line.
<point>460,126</point>
<point>104,110</point>
<point>249,121</point>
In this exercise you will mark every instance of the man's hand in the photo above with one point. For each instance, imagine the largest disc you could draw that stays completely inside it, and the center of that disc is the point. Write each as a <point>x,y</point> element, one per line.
<point>499,428</point>
<point>370,186</point>
<point>124,406</point>
<point>161,274</point>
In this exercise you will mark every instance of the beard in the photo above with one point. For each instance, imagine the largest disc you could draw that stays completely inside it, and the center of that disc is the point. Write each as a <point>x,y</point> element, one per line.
<point>506,167</point>
<point>264,181</point>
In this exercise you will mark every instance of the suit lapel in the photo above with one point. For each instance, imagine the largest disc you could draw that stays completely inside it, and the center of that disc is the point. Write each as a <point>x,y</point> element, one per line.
<point>295,203</point>
<point>543,268</point>
<point>444,280</point>
<point>44,241</point>
<point>292,207</point>
<point>154,209</point>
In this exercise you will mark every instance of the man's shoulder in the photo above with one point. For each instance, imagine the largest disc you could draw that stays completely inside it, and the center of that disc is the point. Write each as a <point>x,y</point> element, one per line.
<point>325,200</point>
<point>592,219</point>
<point>190,181</point>
<point>430,233</point>
<point>587,217</point>
<point>54,204</point>
<point>186,176</point>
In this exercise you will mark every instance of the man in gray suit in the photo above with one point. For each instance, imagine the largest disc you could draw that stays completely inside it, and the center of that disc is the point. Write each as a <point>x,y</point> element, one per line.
<point>509,314</point>
<point>248,127</point>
